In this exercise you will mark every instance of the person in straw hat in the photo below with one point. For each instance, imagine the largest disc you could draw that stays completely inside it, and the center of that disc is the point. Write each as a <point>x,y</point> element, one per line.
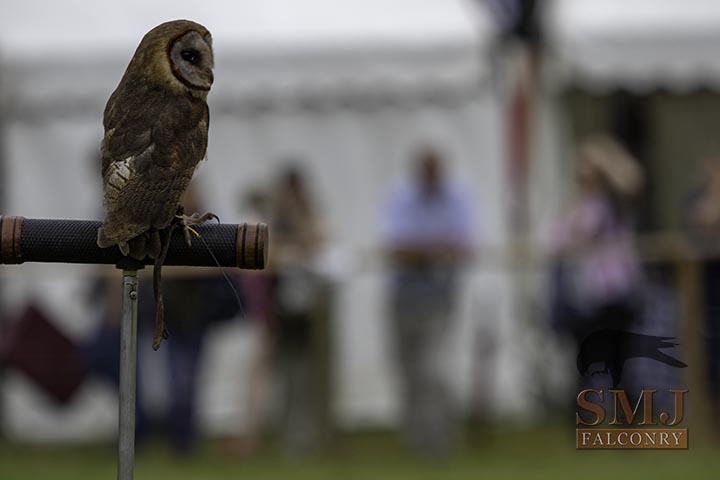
<point>597,273</point>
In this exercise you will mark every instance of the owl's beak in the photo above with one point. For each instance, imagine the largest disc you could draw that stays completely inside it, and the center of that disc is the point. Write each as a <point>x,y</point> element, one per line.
<point>208,74</point>
<point>206,78</point>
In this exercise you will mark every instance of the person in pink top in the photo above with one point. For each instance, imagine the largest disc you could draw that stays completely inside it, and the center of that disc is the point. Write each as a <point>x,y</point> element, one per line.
<point>597,271</point>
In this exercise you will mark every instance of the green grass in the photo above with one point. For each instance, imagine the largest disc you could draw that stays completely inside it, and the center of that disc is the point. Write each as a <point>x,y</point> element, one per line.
<point>540,453</point>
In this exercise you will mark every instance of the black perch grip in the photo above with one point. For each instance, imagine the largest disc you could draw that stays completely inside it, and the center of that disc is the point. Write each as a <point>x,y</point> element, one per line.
<point>74,241</point>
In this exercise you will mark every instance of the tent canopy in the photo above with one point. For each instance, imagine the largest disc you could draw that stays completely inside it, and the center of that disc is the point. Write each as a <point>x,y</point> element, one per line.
<point>31,27</point>
<point>638,44</point>
<point>264,50</point>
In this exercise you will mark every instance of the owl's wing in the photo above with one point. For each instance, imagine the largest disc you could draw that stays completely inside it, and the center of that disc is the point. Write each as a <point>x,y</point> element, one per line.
<point>149,152</point>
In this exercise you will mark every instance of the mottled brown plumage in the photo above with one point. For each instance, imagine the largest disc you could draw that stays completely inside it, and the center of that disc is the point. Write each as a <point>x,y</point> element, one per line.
<point>156,125</point>
<point>155,134</point>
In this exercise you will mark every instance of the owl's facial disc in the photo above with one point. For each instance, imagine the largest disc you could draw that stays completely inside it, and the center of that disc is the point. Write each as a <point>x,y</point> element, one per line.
<point>191,58</point>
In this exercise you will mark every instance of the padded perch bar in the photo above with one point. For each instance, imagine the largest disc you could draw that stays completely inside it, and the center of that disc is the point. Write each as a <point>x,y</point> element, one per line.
<point>74,241</point>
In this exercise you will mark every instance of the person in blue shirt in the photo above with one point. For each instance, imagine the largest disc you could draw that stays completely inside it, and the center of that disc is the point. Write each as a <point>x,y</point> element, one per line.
<point>428,234</point>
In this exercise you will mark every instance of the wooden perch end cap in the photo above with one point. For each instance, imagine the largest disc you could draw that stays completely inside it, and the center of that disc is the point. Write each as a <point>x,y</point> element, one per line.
<point>252,246</point>
<point>10,234</point>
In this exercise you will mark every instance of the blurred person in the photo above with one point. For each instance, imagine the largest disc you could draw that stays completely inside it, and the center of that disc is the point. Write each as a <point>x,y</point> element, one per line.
<point>594,241</point>
<point>193,304</point>
<point>298,293</point>
<point>257,287</point>
<point>702,221</point>
<point>428,235</point>
<point>597,277</point>
<point>101,348</point>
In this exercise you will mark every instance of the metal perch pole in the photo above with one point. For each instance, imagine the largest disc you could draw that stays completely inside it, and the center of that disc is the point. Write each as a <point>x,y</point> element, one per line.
<point>73,241</point>
<point>128,373</point>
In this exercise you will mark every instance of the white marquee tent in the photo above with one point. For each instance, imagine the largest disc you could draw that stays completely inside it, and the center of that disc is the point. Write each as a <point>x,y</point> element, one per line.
<point>349,87</point>
<point>638,44</point>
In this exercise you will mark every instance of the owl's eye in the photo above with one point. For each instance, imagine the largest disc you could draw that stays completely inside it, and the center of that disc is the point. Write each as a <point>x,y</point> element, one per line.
<point>190,55</point>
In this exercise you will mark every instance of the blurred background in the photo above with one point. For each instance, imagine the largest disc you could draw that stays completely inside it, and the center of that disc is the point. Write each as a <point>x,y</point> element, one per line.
<point>458,193</point>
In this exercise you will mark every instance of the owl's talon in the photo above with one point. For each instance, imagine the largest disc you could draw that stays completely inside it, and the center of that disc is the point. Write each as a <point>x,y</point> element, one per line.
<point>196,218</point>
<point>187,221</point>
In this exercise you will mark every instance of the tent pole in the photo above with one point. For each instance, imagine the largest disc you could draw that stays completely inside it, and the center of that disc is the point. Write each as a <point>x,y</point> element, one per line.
<point>128,373</point>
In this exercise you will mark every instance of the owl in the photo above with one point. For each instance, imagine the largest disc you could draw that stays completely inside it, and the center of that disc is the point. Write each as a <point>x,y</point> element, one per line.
<point>156,131</point>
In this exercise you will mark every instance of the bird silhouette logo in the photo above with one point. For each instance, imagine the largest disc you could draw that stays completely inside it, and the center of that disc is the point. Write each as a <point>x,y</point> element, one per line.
<point>614,347</point>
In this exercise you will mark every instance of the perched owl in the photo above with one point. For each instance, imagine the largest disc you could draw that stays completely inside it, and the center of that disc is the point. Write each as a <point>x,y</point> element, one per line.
<point>156,128</point>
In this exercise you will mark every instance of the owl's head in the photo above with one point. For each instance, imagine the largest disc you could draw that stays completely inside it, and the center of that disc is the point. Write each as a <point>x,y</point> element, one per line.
<point>178,55</point>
